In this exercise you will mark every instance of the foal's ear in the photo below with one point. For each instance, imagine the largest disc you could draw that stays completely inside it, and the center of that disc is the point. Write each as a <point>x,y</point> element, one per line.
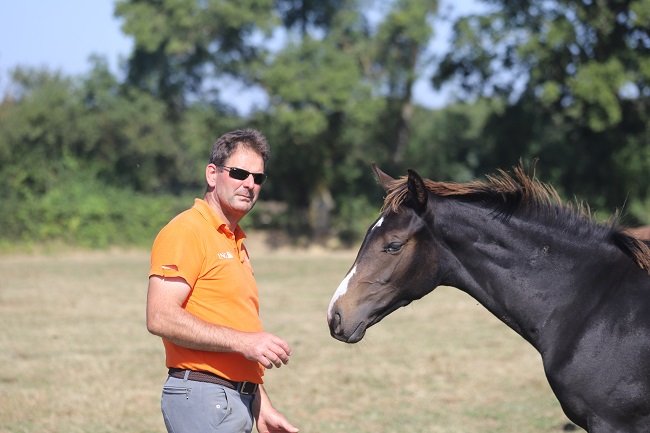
<point>418,194</point>
<point>383,179</point>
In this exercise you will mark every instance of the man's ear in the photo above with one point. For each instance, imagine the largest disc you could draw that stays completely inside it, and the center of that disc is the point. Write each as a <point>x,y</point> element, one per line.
<point>211,172</point>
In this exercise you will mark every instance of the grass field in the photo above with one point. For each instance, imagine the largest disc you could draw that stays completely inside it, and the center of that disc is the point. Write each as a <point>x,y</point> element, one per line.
<point>75,355</point>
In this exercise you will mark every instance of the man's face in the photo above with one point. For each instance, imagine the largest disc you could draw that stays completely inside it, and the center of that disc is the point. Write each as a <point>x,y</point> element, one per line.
<point>237,197</point>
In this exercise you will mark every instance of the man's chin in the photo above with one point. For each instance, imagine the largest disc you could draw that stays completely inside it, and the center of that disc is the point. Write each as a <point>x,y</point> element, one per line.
<point>243,205</point>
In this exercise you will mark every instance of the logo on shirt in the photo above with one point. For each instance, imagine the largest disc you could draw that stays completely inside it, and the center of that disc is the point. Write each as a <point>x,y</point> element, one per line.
<point>225,255</point>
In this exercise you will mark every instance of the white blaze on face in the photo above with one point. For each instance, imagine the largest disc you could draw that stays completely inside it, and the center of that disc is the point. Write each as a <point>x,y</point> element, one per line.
<point>379,222</point>
<point>340,291</point>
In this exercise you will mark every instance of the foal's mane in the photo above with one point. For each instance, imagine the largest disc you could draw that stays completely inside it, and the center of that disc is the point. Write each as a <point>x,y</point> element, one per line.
<point>521,193</point>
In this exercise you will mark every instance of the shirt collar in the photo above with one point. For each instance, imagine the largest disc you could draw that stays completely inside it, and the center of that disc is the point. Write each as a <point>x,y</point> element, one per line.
<point>215,220</point>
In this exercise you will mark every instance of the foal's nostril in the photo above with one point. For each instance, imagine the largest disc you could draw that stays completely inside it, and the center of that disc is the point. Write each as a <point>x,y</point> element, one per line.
<point>335,324</point>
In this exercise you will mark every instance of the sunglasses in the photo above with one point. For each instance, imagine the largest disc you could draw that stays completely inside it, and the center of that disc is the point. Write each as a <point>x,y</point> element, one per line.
<point>241,174</point>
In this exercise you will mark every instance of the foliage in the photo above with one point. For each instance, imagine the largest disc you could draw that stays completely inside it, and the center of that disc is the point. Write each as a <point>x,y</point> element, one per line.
<point>39,139</point>
<point>182,48</point>
<point>82,211</point>
<point>86,159</point>
<point>73,156</point>
<point>576,80</point>
<point>399,48</point>
<point>448,144</point>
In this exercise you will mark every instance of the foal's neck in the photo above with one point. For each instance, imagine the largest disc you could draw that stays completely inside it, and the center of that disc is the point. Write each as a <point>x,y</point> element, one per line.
<point>522,271</point>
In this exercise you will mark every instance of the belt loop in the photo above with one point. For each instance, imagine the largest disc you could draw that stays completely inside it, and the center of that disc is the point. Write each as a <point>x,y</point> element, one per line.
<point>186,375</point>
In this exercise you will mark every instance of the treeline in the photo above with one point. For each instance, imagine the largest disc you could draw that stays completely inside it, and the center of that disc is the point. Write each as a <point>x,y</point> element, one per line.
<point>100,159</point>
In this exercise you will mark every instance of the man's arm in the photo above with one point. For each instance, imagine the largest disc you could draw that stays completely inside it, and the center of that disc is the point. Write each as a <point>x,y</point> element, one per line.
<point>167,318</point>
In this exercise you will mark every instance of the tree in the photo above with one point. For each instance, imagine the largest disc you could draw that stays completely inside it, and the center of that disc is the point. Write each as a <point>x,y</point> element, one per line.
<point>399,48</point>
<point>317,94</point>
<point>576,79</point>
<point>183,48</point>
<point>40,132</point>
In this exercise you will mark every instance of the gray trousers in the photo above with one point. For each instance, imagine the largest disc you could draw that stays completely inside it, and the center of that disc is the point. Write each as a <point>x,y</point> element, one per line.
<point>189,406</point>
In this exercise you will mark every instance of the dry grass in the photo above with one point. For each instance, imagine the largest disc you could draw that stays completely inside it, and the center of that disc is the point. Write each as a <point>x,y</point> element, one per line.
<point>76,356</point>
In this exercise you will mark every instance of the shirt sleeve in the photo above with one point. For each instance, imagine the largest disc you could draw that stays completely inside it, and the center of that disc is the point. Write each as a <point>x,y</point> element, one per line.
<point>177,251</point>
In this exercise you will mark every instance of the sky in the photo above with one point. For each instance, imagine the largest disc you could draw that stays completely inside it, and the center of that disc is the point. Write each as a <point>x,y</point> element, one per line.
<point>59,34</point>
<point>62,34</point>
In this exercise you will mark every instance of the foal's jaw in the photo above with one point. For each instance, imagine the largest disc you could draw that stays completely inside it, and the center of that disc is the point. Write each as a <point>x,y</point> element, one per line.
<point>338,332</point>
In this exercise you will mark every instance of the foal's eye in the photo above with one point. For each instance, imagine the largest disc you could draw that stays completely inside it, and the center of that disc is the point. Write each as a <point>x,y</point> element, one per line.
<point>393,247</point>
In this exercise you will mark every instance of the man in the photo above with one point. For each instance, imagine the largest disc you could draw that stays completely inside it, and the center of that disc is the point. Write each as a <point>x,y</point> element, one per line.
<point>202,300</point>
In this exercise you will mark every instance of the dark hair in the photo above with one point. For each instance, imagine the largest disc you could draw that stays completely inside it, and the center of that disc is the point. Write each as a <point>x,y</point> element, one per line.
<point>229,142</point>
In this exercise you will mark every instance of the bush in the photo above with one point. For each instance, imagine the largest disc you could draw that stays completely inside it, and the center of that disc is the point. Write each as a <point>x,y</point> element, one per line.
<point>354,216</point>
<point>84,212</point>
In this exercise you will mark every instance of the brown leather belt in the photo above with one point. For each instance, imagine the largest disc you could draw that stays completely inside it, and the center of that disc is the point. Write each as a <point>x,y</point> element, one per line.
<point>246,388</point>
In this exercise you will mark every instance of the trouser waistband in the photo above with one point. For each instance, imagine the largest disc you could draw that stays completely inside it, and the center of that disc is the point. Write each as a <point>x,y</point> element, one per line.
<point>245,388</point>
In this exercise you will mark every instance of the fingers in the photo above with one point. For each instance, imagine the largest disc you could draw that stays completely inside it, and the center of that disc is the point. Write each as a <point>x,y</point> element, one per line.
<point>270,360</point>
<point>276,355</point>
<point>269,350</point>
<point>285,426</point>
<point>275,423</point>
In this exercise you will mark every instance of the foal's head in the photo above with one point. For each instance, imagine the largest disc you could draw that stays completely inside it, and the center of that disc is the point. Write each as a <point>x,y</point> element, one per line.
<point>401,259</point>
<point>391,269</point>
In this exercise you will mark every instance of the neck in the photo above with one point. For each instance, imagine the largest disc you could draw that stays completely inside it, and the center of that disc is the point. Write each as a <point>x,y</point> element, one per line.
<point>230,220</point>
<point>524,273</point>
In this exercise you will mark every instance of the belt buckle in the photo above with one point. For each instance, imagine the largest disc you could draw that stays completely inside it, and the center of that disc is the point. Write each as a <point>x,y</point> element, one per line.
<point>247,388</point>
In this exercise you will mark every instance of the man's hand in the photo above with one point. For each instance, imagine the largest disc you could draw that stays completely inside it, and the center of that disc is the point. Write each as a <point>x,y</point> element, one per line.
<point>267,349</point>
<point>267,419</point>
<point>274,423</point>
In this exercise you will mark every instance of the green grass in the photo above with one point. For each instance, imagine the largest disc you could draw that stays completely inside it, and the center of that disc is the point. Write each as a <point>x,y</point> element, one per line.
<point>75,355</point>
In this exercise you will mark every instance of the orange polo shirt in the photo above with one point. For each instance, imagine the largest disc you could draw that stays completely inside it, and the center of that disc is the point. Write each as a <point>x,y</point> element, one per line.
<point>200,248</point>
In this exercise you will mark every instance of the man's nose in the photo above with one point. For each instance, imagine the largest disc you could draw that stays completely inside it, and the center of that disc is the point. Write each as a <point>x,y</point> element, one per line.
<point>249,182</point>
